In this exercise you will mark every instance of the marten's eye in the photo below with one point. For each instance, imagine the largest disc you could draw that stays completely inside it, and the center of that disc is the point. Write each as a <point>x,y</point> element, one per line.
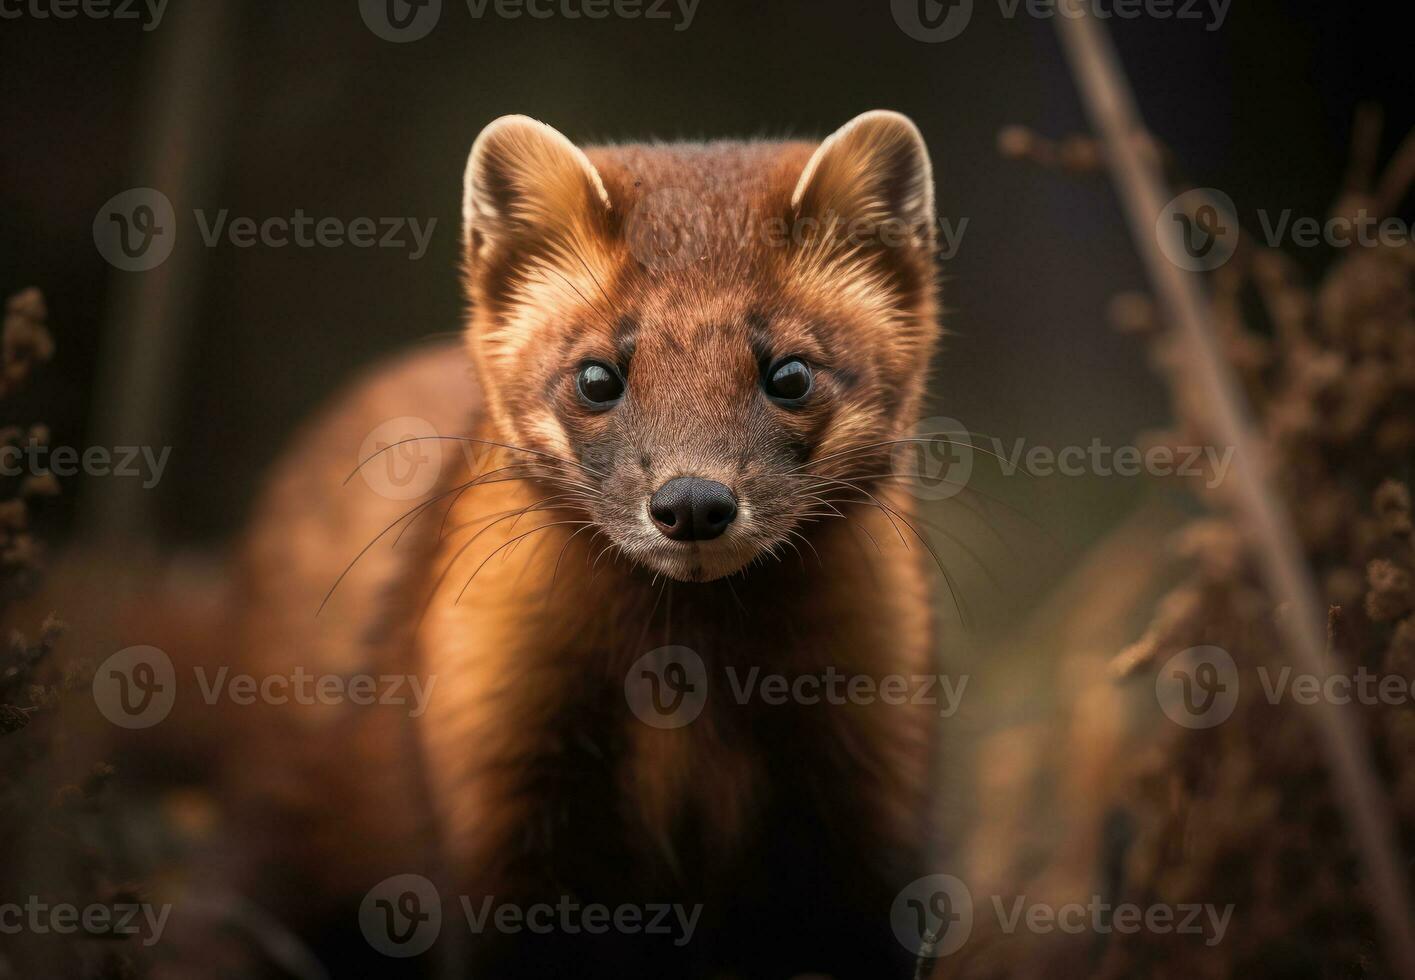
<point>600,385</point>
<point>789,381</point>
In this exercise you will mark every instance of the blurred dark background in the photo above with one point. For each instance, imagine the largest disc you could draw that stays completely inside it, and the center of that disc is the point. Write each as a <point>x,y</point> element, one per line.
<point>264,109</point>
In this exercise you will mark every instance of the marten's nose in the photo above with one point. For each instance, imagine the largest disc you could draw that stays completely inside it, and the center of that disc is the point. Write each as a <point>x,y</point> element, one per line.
<point>688,508</point>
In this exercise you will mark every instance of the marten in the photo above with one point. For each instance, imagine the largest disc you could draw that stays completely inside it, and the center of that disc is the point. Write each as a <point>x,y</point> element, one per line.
<point>664,469</point>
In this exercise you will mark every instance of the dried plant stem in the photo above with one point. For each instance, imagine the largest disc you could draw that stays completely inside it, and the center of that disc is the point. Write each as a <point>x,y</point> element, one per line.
<point>1110,105</point>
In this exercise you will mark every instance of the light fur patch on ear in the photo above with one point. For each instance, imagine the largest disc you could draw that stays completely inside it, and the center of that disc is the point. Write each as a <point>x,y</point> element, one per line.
<point>872,170</point>
<point>527,183</point>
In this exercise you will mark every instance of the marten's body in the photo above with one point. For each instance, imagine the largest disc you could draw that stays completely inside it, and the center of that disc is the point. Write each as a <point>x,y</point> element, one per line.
<point>525,595</point>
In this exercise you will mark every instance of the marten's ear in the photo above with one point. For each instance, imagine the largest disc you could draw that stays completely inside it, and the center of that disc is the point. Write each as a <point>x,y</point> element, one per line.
<point>530,191</point>
<point>871,179</point>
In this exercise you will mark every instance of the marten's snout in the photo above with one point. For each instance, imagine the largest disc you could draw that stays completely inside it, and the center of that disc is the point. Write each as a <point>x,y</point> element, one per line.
<point>688,508</point>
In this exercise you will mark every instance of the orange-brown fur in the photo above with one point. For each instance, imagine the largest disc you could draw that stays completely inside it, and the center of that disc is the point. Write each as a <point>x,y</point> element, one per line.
<point>529,777</point>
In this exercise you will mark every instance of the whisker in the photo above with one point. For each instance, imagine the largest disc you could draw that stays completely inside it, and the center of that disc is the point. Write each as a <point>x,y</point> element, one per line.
<point>926,438</point>
<point>514,512</point>
<point>982,516</point>
<point>867,533</point>
<point>807,541</point>
<point>458,491</point>
<point>451,562</point>
<point>560,556</point>
<point>648,620</point>
<point>602,316</point>
<point>735,597</point>
<point>560,496</point>
<point>594,279</point>
<point>887,513</point>
<point>468,439</point>
<point>365,549</point>
<point>594,567</point>
<point>505,544</point>
<point>796,548</point>
<point>963,617</point>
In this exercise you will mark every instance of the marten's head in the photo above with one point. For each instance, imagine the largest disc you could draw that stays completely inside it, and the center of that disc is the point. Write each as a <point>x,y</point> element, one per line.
<point>692,339</point>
